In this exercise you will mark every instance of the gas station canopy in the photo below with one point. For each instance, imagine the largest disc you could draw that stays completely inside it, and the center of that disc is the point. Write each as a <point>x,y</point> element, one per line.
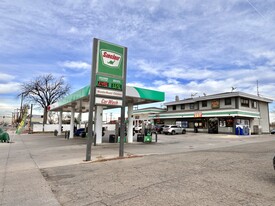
<point>80,99</point>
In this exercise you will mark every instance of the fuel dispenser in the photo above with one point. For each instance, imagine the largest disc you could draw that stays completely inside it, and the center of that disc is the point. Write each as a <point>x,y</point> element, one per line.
<point>148,133</point>
<point>149,130</point>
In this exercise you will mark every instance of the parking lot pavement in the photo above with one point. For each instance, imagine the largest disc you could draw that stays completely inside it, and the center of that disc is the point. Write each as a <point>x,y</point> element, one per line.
<point>21,181</point>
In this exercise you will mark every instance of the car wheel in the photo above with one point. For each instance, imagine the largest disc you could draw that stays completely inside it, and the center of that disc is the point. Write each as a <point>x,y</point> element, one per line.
<point>173,132</point>
<point>139,131</point>
<point>183,131</point>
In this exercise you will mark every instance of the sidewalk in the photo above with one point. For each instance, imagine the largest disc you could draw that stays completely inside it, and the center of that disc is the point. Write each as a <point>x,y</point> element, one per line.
<point>21,182</point>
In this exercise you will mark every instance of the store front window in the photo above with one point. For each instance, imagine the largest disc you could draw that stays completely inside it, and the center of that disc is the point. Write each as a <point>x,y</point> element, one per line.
<point>190,123</point>
<point>226,122</point>
<point>243,122</point>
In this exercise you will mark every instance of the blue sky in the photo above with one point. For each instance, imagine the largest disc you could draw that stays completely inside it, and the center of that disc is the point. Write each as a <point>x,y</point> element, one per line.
<point>179,47</point>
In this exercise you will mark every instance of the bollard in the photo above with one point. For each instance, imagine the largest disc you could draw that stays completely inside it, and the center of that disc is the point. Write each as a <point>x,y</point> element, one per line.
<point>94,139</point>
<point>67,134</point>
<point>112,138</point>
<point>156,137</point>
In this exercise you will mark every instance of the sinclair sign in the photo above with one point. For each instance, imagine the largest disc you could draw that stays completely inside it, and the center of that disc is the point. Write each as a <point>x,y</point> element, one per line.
<point>110,60</point>
<point>109,73</point>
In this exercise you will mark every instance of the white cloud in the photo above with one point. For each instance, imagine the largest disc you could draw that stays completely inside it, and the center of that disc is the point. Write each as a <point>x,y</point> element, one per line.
<point>78,65</point>
<point>136,84</point>
<point>73,30</point>
<point>6,77</point>
<point>8,107</point>
<point>9,87</point>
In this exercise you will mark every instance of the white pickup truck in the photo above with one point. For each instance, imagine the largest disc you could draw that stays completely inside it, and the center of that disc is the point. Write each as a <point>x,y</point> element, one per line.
<point>173,129</point>
<point>138,129</point>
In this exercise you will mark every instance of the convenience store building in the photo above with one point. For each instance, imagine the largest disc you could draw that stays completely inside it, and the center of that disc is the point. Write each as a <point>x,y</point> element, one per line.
<point>231,112</point>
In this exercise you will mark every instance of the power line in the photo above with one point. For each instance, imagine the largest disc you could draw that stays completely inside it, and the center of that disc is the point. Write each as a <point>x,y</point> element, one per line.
<point>255,9</point>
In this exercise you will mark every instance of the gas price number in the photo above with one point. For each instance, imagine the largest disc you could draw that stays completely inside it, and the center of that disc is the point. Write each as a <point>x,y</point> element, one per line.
<point>116,86</point>
<point>103,84</point>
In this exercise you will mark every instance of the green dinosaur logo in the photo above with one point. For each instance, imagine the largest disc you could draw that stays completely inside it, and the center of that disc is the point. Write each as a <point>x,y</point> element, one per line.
<point>110,58</point>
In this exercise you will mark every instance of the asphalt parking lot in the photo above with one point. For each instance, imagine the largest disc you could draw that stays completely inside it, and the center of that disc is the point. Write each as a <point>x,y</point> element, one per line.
<point>190,169</point>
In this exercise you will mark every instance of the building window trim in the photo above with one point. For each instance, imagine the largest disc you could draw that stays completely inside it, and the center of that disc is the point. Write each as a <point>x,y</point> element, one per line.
<point>244,102</point>
<point>227,101</point>
<point>204,104</point>
<point>254,104</point>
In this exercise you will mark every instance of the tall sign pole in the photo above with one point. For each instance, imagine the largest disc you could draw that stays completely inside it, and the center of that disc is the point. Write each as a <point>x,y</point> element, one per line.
<point>108,85</point>
<point>122,127</point>
<point>91,103</point>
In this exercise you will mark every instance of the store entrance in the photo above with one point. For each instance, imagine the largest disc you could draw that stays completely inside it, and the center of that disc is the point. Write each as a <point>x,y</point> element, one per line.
<point>213,124</point>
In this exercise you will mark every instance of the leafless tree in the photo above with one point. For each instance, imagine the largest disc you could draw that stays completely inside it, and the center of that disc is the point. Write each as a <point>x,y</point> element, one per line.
<point>44,90</point>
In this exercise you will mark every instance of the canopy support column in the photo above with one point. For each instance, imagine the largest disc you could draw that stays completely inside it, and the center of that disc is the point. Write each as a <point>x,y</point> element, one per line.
<point>72,122</point>
<point>60,123</point>
<point>130,122</point>
<point>98,124</point>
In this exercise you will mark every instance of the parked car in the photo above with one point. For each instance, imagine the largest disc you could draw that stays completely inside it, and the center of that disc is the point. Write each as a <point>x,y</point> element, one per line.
<point>138,129</point>
<point>79,131</point>
<point>159,128</point>
<point>173,129</point>
<point>82,133</point>
<point>272,131</point>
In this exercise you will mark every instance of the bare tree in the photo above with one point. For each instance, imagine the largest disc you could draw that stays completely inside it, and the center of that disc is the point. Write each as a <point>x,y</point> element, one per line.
<point>44,90</point>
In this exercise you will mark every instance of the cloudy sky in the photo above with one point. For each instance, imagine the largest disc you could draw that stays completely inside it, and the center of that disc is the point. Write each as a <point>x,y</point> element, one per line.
<point>177,46</point>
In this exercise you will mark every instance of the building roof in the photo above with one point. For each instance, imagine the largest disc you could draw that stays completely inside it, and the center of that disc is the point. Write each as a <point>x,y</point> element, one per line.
<point>219,96</point>
<point>149,110</point>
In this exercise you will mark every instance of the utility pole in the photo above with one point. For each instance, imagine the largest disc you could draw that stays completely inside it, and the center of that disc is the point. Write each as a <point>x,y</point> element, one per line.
<point>258,88</point>
<point>30,126</point>
<point>21,108</point>
<point>12,118</point>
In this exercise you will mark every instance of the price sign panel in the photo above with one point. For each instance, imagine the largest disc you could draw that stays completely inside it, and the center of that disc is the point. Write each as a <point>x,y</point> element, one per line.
<point>109,82</point>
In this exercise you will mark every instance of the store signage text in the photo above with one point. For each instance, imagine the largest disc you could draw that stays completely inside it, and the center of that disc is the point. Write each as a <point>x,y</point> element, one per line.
<point>197,114</point>
<point>215,104</point>
<point>107,101</point>
<point>107,92</point>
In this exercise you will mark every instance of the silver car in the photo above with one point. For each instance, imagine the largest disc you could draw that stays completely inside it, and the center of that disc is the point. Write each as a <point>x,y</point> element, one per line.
<point>173,129</point>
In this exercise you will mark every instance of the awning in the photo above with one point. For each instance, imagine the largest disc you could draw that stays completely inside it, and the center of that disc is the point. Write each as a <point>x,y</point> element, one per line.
<point>80,99</point>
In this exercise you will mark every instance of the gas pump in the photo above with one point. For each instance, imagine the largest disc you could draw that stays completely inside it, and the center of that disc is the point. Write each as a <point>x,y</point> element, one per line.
<point>117,133</point>
<point>148,133</point>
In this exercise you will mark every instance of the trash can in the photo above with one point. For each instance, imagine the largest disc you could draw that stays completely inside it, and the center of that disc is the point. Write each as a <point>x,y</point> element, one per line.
<point>4,137</point>
<point>67,134</point>
<point>125,139</point>
<point>140,137</point>
<point>112,138</point>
